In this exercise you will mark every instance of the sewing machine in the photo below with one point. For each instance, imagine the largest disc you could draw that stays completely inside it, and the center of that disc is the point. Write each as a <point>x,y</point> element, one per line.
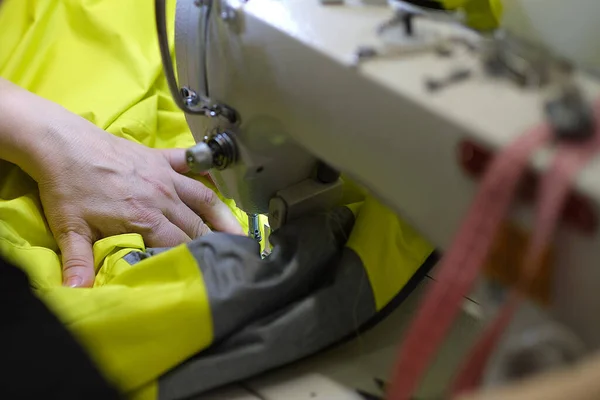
<point>282,95</point>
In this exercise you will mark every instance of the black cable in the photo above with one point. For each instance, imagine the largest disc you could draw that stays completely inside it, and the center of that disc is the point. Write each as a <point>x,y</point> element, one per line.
<point>163,42</point>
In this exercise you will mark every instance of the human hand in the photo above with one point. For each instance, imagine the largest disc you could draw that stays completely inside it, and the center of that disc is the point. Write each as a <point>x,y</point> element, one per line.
<point>104,185</point>
<point>578,381</point>
<point>93,185</point>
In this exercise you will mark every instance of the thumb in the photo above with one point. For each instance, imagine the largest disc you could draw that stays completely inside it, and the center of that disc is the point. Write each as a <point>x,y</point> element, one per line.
<point>178,161</point>
<point>77,260</point>
<point>176,158</point>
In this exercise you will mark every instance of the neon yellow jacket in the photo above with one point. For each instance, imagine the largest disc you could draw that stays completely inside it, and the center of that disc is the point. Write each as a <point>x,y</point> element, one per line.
<point>99,59</point>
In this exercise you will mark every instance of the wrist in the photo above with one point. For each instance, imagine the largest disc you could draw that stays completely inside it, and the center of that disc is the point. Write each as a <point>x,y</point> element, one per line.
<point>29,134</point>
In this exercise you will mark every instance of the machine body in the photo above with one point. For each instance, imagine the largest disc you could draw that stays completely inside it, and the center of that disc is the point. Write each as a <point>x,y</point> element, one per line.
<point>310,89</point>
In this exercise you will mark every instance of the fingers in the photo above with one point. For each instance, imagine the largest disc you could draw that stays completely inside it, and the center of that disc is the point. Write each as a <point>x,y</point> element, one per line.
<point>207,204</point>
<point>187,220</point>
<point>77,260</point>
<point>178,162</point>
<point>176,158</point>
<point>165,234</point>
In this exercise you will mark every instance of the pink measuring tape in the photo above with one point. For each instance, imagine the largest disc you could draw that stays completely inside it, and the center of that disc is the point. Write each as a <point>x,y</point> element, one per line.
<point>461,265</point>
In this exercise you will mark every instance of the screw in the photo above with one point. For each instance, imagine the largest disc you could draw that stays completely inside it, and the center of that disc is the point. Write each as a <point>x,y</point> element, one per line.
<point>228,14</point>
<point>364,53</point>
<point>569,115</point>
<point>189,96</point>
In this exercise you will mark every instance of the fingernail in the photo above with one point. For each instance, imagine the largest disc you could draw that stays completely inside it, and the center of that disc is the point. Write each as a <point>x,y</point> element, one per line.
<point>74,281</point>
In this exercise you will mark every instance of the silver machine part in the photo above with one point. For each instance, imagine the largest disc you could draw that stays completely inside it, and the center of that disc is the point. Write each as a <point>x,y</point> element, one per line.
<point>212,92</point>
<point>199,158</point>
<point>301,199</point>
<point>254,227</point>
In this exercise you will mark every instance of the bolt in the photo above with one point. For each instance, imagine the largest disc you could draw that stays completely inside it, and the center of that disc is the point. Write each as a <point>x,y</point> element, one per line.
<point>364,53</point>
<point>570,115</point>
<point>228,14</point>
<point>189,96</point>
<point>435,84</point>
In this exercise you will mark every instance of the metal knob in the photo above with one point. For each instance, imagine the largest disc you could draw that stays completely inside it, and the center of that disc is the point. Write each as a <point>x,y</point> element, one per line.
<point>217,152</point>
<point>199,158</point>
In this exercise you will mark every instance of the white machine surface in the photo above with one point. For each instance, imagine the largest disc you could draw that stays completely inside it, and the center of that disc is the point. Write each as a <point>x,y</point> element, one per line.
<point>311,82</point>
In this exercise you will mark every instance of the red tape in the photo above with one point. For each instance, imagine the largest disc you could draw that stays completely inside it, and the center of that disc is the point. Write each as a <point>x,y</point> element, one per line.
<point>579,211</point>
<point>461,265</point>
<point>552,196</point>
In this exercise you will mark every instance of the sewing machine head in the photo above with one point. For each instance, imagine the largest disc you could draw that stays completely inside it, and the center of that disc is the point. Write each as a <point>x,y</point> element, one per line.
<point>264,105</point>
<point>280,95</point>
<point>243,139</point>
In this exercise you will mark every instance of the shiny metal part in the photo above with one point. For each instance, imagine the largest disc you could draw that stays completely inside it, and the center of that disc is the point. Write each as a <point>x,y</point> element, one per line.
<point>305,198</point>
<point>188,100</point>
<point>411,32</point>
<point>199,158</point>
<point>181,97</point>
<point>267,249</point>
<point>254,227</point>
<point>529,65</point>
<point>442,46</point>
<point>364,53</point>
<point>224,150</point>
<point>567,111</point>
<point>227,12</point>
<point>218,151</point>
<point>459,75</point>
<point>525,64</point>
<point>190,97</point>
<point>540,349</point>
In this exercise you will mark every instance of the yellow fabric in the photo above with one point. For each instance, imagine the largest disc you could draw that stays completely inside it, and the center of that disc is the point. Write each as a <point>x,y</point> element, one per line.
<point>481,14</point>
<point>148,392</point>
<point>99,59</point>
<point>142,319</point>
<point>393,255</point>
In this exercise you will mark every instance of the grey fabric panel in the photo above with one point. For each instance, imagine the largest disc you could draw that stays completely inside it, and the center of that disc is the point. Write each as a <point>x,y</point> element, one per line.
<point>136,256</point>
<point>319,319</point>
<point>243,288</point>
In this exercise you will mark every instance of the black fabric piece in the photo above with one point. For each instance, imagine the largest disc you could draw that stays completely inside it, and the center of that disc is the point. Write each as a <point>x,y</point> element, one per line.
<point>243,288</point>
<point>310,292</point>
<point>290,333</point>
<point>39,359</point>
<point>389,308</point>
<point>318,322</point>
